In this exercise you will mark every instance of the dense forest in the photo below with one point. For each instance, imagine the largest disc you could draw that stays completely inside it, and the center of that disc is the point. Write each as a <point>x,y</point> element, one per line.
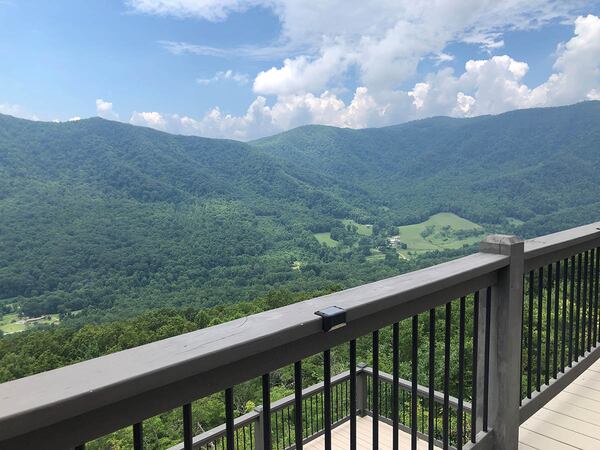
<point>106,220</point>
<point>131,235</point>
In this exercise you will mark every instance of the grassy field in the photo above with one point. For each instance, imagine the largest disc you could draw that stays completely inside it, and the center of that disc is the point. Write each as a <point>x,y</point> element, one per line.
<point>8,323</point>
<point>363,230</point>
<point>442,231</point>
<point>325,238</point>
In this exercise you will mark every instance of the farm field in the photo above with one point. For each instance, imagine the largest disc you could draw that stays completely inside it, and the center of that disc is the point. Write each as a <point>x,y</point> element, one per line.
<point>441,231</point>
<point>362,229</point>
<point>325,238</point>
<point>9,323</point>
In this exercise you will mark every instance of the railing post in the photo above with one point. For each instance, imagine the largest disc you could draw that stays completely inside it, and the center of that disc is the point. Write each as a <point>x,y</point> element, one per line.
<point>259,439</point>
<point>505,341</point>
<point>361,390</point>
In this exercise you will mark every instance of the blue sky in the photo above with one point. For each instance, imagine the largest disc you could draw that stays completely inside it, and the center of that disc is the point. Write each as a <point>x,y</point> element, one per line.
<point>249,68</point>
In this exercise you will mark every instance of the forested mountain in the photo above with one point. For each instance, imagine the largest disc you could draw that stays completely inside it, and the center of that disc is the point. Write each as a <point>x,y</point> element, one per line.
<point>106,219</point>
<point>526,164</point>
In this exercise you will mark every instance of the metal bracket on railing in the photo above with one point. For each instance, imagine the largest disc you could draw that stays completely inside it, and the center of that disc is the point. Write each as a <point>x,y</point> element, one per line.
<point>334,317</point>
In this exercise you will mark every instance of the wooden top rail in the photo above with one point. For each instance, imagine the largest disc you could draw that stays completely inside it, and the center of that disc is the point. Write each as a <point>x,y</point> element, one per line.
<point>554,247</point>
<point>77,403</point>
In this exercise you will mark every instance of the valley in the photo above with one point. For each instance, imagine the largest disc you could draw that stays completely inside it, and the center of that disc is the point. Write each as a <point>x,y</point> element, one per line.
<point>111,220</point>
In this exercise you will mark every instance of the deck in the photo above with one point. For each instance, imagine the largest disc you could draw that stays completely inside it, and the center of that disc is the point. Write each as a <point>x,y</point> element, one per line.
<point>569,421</point>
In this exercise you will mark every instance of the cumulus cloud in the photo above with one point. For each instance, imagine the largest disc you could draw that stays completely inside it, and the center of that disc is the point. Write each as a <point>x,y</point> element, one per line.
<point>148,119</point>
<point>105,109</point>
<point>329,37</point>
<point>326,42</point>
<point>304,74</point>
<point>227,75</point>
<point>11,109</point>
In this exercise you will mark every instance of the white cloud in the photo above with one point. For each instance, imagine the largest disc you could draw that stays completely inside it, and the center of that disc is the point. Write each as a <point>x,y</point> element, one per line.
<point>74,119</point>
<point>213,10</point>
<point>105,109</point>
<point>15,110</point>
<point>382,40</point>
<point>380,43</point>
<point>226,75</point>
<point>260,119</point>
<point>303,74</point>
<point>594,94</point>
<point>148,119</point>
<point>11,109</point>
<point>442,57</point>
<point>419,93</point>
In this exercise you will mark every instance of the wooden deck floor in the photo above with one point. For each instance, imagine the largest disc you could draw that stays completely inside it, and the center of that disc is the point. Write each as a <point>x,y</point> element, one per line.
<point>340,437</point>
<point>569,421</point>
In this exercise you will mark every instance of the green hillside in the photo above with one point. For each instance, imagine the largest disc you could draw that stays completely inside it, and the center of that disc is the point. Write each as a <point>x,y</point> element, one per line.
<point>526,164</point>
<point>107,219</point>
<point>103,216</point>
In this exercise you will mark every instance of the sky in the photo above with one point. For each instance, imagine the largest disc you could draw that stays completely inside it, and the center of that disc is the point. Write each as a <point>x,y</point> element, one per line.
<point>243,69</point>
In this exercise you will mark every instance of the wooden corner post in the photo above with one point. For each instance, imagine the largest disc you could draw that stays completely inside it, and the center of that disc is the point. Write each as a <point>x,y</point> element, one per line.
<point>505,341</point>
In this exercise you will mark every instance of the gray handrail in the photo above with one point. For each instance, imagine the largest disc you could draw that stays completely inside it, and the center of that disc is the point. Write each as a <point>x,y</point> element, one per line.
<point>554,247</point>
<point>93,398</point>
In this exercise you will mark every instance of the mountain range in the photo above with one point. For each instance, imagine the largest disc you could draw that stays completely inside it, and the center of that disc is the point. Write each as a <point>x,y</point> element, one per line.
<point>103,218</point>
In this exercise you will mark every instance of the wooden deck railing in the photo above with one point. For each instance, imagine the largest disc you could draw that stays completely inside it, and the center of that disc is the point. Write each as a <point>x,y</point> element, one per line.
<point>499,349</point>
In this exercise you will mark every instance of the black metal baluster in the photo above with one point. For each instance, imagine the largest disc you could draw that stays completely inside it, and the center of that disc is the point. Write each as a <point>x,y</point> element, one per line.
<point>474,367</point>
<point>289,426</point>
<point>318,410</point>
<point>445,421</point>
<point>395,381</point>
<point>229,418</point>
<point>403,411</point>
<point>422,403</point>
<point>306,413</point>
<point>556,302</point>
<point>530,336</point>
<point>298,404</point>
<point>564,313</point>
<point>414,399</point>
<point>523,339</point>
<point>584,303</point>
<point>486,362</point>
<point>578,307</point>
<point>266,399</point>
<point>327,397</point>
<point>538,373</point>
<point>431,432</point>
<point>548,314</point>
<point>353,395</point>
<point>590,301</point>
<point>571,306</point>
<point>187,427</point>
<point>375,411</point>
<point>276,430</point>
<point>138,436</point>
<point>461,374</point>
<point>312,421</point>
<point>596,279</point>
